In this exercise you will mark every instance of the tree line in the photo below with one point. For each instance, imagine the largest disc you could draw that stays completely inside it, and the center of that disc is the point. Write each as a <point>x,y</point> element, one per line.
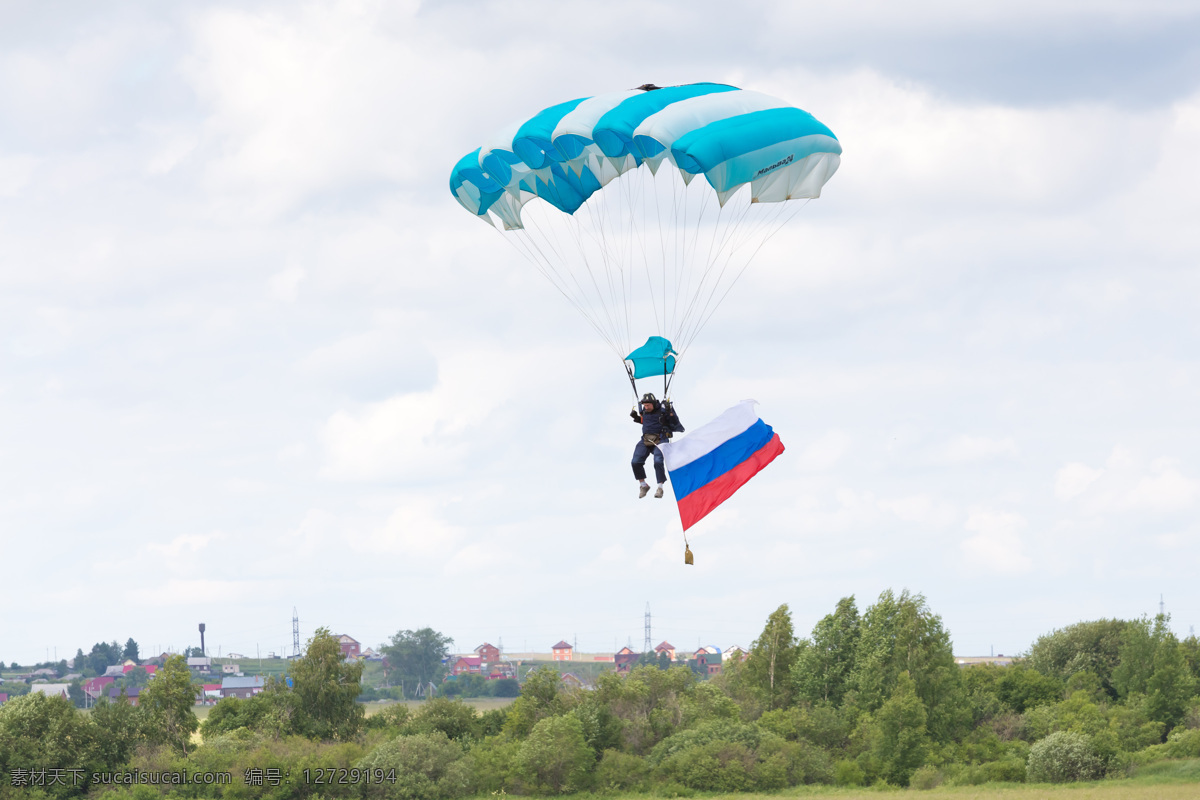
<point>868,698</point>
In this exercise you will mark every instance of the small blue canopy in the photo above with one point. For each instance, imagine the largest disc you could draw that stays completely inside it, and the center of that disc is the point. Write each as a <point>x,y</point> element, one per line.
<point>655,357</point>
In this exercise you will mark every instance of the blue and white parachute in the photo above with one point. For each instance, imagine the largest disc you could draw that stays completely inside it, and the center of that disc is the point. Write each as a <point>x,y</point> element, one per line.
<point>633,246</point>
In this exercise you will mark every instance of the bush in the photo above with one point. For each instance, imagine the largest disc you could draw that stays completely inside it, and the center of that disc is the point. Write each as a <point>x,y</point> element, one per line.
<point>925,778</point>
<point>848,773</point>
<point>1063,757</point>
<point>719,766</point>
<point>491,765</point>
<point>621,772</point>
<point>555,757</point>
<point>454,718</point>
<point>1183,744</point>
<point>428,767</point>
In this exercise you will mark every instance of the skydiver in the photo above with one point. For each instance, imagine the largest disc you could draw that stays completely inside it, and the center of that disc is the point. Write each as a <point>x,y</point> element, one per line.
<point>658,422</point>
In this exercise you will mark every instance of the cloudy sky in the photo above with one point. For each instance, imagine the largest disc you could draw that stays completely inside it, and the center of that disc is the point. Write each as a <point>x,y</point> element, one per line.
<point>253,356</point>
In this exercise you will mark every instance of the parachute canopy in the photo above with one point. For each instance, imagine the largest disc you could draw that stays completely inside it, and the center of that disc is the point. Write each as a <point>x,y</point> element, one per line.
<point>655,357</point>
<point>624,231</point>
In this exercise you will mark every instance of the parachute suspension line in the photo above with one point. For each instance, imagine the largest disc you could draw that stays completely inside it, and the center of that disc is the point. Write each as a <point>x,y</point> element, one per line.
<point>599,236</point>
<point>641,225</point>
<point>527,252</point>
<point>778,226</point>
<point>704,202</point>
<point>716,249</point>
<point>690,291</point>
<point>635,190</point>
<point>736,235</point>
<point>583,295</point>
<point>578,230</point>
<point>632,382</point>
<point>663,252</point>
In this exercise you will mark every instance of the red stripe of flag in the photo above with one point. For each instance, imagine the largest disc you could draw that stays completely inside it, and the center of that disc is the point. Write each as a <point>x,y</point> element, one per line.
<point>699,503</point>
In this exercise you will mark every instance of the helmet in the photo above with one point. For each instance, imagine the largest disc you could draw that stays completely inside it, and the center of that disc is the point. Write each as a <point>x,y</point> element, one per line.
<point>649,398</point>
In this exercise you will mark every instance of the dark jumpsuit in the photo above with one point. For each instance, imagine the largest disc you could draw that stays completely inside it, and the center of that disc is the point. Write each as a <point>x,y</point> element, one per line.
<point>661,423</point>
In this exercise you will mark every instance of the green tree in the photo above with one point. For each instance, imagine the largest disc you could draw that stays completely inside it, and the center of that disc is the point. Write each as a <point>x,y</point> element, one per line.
<point>556,756</point>
<point>769,667</point>
<point>649,704</point>
<point>540,698</point>
<point>326,686</point>
<point>137,676</point>
<point>121,726</point>
<point>42,732</point>
<point>167,703</point>
<point>415,657</point>
<point>902,742</point>
<point>1021,687</point>
<point>901,634</point>
<point>130,650</point>
<point>823,667</point>
<point>1082,647</point>
<point>1152,662</point>
<point>1170,685</point>
<point>102,656</point>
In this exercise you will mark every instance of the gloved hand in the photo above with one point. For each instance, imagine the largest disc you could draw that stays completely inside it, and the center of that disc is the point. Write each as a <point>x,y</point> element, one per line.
<point>634,416</point>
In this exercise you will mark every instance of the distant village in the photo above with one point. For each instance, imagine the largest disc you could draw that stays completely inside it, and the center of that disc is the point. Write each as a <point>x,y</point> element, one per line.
<point>226,677</point>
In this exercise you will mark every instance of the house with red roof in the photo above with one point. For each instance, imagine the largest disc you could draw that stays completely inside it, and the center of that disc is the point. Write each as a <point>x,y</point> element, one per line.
<point>467,665</point>
<point>150,668</point>
<point>489,653</point>
<point>625,660</point>
<point>94,687</point>
<point>350,646</point>
<point>562,651</point>
<point>666,647</point>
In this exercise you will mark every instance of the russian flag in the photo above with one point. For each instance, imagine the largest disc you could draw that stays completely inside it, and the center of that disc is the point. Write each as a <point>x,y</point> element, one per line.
<point>712,462</point>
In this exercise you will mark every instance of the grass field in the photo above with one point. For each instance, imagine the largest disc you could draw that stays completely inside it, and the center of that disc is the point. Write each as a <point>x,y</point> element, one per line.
<point>477,703</point>
<point>1170,780</point>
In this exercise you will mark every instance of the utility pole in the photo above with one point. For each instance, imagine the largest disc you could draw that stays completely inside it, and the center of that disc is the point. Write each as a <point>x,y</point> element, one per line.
<point>1162,607</point>
<point>648,643</point>
<point>295,632</point>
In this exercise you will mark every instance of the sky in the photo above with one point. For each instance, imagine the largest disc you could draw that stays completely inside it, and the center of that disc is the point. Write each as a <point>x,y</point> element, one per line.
<point>254,357</point>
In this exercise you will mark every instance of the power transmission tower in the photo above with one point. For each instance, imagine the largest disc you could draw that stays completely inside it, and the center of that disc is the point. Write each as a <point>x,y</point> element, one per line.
<point>648,644</point>
<point>1162,607</point>
<point>295,632</point>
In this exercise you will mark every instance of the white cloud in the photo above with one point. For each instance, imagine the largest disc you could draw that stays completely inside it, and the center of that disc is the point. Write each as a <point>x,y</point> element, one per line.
<point>1165,490</point>
<point>1074,479</point>
<point>823,453</point>
<point>997,545</point>
<point>15,174</point>
<point>1127,484</point>
<point>425,434</point>
<point>922,509</point>
<point>285,284</point>
<point>965,449</point>
<point>416,530</point>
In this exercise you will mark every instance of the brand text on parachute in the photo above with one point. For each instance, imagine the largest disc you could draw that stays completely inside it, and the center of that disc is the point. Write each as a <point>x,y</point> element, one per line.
<point>783,162</point>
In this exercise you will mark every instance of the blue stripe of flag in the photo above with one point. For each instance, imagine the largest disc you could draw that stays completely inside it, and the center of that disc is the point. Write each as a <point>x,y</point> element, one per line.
<point>721,459</point>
